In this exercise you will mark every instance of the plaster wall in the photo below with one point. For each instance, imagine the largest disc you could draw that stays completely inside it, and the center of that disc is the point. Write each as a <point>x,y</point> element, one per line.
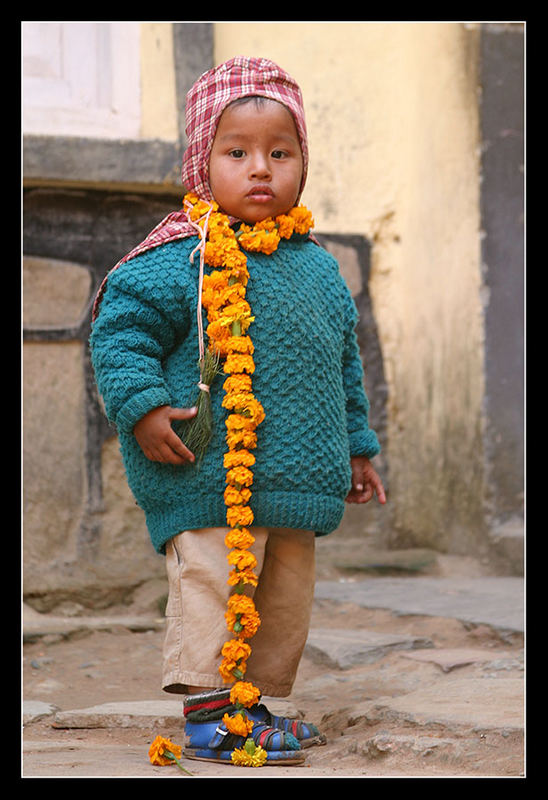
<point>392,111</point>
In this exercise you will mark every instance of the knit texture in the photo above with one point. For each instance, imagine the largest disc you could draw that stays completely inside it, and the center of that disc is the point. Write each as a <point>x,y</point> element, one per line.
<point>308,377</point>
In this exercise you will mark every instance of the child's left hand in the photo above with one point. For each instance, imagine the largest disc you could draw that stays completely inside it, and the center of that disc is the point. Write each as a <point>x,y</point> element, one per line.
<point>365,482</point>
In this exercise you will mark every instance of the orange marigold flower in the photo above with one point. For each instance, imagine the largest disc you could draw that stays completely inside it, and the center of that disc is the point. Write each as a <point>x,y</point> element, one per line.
<point>239,515</point>
<point>242,559</point>
<point>237,362</point>
<point>238,458</point>
<point>237,383</point>
<point>159,747</point>
<point>201,207</point>
<point>239,475</point>
<point>219,225</point>
<point>240,344</point>
<point>233,293</point>
<point>239,538</point>
<point>247,439</point>
<point>236,422</point>
<point>235,654</point>
<point>246,576</point>
<point>286,226</point>
<point>241,604</point>
<point>244,694</point>
<point>221,251</point>
<point>237,400</point>
<point>261,241</point>
<point>238,724</point>
<point>217,279</point>
<point>251,624</point>
<point>216,330</point>
<point>226,670</point>
<point>246,405</point>
<point>303,219</point>
<point>218,336</point>
<point>234,497</point>
<point>212,288</point>
<point>245,625</point>
<point>252,410</point>
<point>236,650</point>
<point>267,224</point>
<point>236,261</point>
<point>236,312</point>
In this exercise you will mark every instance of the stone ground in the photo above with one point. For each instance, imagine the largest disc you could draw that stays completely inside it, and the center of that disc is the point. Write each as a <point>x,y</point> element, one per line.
<point>409,674</point>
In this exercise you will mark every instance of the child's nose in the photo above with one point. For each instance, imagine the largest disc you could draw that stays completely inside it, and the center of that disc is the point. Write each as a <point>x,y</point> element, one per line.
<point>259,167</point>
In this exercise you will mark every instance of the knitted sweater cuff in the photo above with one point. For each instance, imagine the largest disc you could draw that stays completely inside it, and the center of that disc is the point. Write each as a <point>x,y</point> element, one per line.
<point>139,405</point>
<point>364,444</point>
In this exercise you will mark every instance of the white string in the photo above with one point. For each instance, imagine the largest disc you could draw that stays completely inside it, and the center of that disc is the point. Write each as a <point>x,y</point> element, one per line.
<point>202,233</point>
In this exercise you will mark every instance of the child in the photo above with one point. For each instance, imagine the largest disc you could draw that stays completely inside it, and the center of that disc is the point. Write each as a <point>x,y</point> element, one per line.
<point>291,440</point>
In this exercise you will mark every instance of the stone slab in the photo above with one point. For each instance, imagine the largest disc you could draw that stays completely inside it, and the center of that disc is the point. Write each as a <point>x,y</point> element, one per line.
<point>34,710</point>
<point>140,714</point>
<point>478,703</point>
<point>494,601</point>
<point>343,649</point>
<point>36,625</point>
<point>449,658</point>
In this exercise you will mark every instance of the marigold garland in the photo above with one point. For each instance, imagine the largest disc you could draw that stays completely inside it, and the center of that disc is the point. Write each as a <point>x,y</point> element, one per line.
<point>229,316</point>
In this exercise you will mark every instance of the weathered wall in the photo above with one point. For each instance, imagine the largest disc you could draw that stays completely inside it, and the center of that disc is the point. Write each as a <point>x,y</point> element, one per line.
<point>393,115</point>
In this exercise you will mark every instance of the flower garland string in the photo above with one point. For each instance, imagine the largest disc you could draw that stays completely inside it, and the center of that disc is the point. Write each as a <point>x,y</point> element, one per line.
<point>223,294</point>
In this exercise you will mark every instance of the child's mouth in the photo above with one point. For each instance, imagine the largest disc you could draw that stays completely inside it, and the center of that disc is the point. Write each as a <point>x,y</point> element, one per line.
<point>261,192</point>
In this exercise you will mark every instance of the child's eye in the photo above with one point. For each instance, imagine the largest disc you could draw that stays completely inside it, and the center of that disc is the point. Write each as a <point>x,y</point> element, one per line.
<point>237,153</point>
<point>278,154</point>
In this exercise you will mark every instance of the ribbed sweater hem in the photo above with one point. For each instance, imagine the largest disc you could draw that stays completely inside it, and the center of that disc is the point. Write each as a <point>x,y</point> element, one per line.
<point>313,512</point>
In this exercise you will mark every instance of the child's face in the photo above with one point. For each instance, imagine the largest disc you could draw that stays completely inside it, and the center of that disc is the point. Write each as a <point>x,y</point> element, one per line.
<point>256,165</point>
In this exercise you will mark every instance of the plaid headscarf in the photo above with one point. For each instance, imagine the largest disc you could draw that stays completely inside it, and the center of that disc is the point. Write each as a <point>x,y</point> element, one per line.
<point>205,102</point>
<point>210,95</point>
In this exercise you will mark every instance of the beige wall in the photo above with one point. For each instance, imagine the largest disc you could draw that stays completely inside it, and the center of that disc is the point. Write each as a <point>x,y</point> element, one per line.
<point>392,117</point>
<point>158,94</point>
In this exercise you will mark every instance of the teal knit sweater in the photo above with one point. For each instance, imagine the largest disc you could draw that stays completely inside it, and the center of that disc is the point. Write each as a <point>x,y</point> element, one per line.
<point>308,377</point>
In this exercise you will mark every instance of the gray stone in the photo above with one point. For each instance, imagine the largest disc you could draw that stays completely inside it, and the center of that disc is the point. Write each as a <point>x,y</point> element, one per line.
<point>383,744</point>
<point>34,710</point>
<point>36,626</point>
<point>494,601</point>
<point>55,293</point>
<point>455,703</point>
<point>53,444</point>
<point>449,658</point>
<point>140,714</point>
<point>342,649</point>
<point>281,707</point>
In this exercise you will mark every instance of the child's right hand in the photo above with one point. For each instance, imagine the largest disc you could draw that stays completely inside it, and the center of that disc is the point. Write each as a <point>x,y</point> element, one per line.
<point>158,440</point>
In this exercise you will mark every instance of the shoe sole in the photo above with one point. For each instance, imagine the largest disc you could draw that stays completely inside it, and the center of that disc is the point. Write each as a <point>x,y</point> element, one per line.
<point>282,758</point>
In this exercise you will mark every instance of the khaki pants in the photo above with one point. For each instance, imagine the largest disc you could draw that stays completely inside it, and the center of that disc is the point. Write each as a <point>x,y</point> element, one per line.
<point>197,569</point>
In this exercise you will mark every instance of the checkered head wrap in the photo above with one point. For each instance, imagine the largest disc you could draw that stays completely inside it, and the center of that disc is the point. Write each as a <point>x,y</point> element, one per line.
<point>214,91</point>
<point>206,101</point>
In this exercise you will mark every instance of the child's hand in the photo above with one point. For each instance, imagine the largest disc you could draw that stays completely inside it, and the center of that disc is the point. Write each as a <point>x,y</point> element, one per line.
<point>365,482</point>
<point>158,440</point>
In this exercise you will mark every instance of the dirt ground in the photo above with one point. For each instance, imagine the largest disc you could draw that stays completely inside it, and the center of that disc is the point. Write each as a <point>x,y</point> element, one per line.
<point>89,669</point>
